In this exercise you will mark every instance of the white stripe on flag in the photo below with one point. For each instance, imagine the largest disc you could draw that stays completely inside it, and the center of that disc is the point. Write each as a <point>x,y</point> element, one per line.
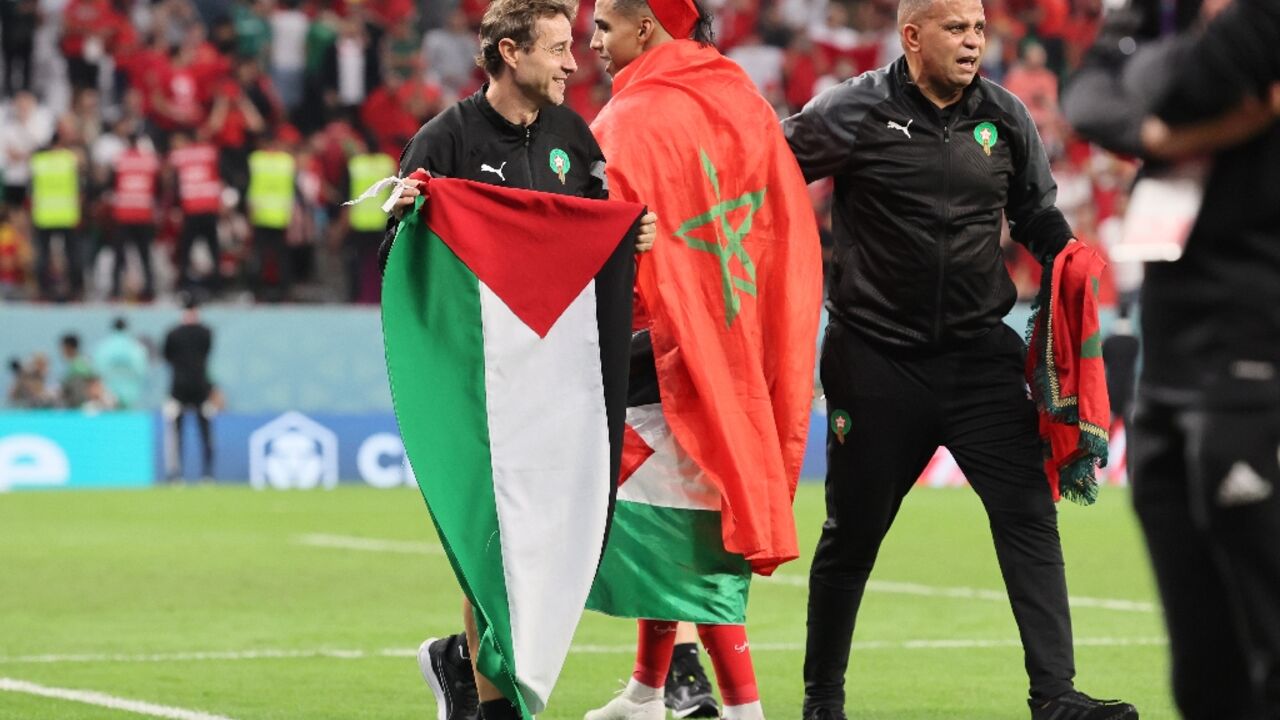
<point>550,474</point>
<point>669,477</point>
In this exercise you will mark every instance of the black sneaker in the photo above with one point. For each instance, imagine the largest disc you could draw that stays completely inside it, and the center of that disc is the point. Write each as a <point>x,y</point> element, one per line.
<point>1075,705</point>
<point>446,667</point>
<point>823,713</point>
<point>688,694</point>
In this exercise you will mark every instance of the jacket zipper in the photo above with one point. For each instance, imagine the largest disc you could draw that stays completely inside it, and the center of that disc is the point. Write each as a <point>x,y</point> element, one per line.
<point>946,225</point>
<point>528,156</point>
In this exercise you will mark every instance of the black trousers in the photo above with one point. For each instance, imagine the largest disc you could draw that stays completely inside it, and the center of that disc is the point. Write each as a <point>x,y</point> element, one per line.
<point>360,256</point>
<point>1204,487</point>
<point>900,407</point>
<point>270,245</point>
<point>73,254</point>
<point>17,60</point>
<point>197,226</point>
<point>139,236</point>
<point>177,410</point>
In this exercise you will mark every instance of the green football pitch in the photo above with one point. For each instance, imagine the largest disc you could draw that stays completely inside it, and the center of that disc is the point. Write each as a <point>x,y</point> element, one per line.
<point>218,602</point>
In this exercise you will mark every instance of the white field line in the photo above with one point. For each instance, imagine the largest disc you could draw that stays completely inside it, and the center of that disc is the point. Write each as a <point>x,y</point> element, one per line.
<point>957,644</point>
<point>89,697</point>
<point>346,542</point>
<point>967,593</point>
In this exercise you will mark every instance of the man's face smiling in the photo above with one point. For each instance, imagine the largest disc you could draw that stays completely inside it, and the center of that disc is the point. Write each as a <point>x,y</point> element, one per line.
<point>617,37</point>
<point>952,39</point>
<point>546,66</point>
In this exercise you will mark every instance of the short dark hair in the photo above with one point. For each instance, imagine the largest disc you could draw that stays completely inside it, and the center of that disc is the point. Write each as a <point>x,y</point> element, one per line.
<point>71,340</point>
<point>702,30</point>
<point>120,323</point>
<point>515,20</point>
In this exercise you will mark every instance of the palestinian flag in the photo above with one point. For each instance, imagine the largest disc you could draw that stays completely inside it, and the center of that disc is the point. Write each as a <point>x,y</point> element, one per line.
<point>506,317</point>
<point>666,559</point>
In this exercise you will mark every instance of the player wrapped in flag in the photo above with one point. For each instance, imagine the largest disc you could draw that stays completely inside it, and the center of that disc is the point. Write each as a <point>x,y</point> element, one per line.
<point>506,320</point>
<point>731,295</point>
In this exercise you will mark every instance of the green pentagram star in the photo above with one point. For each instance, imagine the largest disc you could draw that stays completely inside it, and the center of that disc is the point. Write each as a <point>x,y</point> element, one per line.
<point>731,247</point>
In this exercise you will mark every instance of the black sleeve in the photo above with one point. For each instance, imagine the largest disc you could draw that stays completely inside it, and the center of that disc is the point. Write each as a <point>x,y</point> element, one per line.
<point>1034,220</point>
<point>1182,80</point>
<point>431,148</point>
<point>1112,93</point>
<point>598,188</point>
<point>1238,55</point>
<point>822,135</point>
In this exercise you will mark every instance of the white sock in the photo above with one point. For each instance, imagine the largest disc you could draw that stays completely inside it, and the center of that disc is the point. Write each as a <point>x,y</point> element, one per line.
<point>638,692</point>
<point>750,711</point>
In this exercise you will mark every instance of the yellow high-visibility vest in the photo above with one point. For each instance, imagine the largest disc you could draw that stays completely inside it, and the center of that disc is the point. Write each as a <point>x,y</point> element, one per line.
<point>55,190</point>
<point>271,188</point>
<point>365,170</point>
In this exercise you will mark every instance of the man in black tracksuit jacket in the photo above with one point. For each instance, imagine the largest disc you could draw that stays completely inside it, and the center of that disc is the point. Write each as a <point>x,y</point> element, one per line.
<point>472,141</point>
<point>926,157</point>
<point>1206,432</point>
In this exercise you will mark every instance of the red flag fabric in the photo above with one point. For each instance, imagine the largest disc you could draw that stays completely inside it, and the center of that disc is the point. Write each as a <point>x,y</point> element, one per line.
<point>1066,375</point>
<point>733,286</point>
<point>506,231</point>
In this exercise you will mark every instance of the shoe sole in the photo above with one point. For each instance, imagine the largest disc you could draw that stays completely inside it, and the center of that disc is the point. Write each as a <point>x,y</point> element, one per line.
<point>428,673</point>
<point>690,712</point>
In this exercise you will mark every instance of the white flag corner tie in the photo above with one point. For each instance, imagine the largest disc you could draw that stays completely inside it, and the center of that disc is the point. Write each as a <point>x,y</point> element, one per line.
<point>374,189</point>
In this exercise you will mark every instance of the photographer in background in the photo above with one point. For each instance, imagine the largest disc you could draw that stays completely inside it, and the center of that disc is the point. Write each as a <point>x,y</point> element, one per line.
<point>1207,423</point>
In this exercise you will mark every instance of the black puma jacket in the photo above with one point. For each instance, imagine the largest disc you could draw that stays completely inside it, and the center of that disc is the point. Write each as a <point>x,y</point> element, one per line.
<point>918,204</point>
<point>471,141</point>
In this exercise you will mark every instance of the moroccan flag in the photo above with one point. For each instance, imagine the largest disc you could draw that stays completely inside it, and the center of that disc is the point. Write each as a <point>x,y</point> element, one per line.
<point>731,293</point>
<point>506,317</point>
<point>1066,375</point>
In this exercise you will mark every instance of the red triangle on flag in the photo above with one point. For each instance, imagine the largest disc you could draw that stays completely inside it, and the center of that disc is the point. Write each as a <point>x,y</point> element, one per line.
<point>634,452</point>
<point>535,250</point>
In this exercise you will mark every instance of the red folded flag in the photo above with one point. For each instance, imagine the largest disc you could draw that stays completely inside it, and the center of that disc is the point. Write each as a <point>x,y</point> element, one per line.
<point>1066,374</point>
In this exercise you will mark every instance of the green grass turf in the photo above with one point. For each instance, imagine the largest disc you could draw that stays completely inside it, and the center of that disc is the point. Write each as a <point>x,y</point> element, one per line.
<point>169,571</point>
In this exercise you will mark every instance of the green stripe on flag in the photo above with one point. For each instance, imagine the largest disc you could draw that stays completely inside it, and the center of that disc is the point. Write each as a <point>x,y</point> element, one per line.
<point>670,564</point>
<point>432,329</point>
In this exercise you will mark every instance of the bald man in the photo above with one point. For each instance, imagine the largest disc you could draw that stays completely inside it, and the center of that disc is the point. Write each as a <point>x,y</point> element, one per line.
<point>927,156</point>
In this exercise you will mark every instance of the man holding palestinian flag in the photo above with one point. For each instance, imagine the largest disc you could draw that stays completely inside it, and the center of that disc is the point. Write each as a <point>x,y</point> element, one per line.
<point>730,300</point>
<point>506,321</point>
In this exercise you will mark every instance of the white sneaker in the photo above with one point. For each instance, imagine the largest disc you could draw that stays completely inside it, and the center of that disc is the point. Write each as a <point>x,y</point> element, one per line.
<point>624,708</point>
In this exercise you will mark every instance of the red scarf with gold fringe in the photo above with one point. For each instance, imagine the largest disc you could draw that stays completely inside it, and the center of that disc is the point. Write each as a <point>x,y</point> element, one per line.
<point>1066,375</point>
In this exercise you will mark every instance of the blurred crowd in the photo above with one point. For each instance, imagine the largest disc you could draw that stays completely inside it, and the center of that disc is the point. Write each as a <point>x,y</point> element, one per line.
<point>113,375</point>
<point>154,147</point>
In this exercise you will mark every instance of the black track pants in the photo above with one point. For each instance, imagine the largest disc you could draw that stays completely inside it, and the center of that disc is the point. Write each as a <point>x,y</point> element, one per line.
<point>1205,488</point>
<point>901,407</point>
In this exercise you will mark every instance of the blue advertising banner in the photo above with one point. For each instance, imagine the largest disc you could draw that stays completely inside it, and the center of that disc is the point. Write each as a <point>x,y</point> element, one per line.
<point>295,451</point>
<point>286,451</point>
<point>67,449</point>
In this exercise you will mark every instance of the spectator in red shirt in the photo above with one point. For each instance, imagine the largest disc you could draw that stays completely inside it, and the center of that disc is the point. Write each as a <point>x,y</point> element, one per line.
<point>799,71</point>
<point>395,111</point>
<point>243,109</point>
<point>194,169</point>
<point>86,31</point>
<point>176,100</point>
<point>1034,84</point>
<point>133,209</point>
